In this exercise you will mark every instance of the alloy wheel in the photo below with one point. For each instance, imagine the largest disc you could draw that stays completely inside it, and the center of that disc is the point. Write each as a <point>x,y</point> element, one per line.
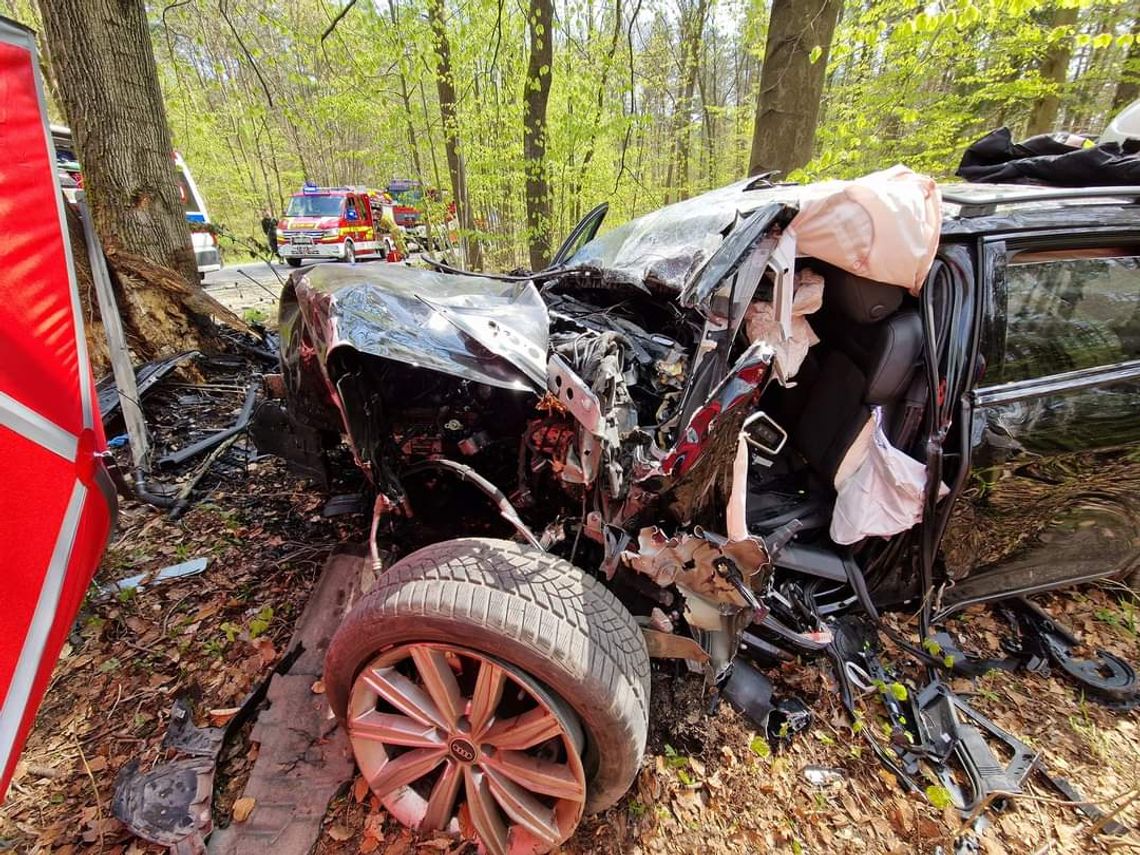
<point>452,740</point>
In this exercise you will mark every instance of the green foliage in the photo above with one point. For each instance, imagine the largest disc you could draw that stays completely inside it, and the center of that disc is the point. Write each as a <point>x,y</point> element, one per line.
<point>258,101</point>
<point>760,747</point>
<point>917,88</point>
<point>260,622</point>
<point>939,797</point>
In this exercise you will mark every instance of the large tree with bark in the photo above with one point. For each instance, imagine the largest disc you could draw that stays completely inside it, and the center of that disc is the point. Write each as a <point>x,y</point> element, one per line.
<point>791,83</point>
<point>105,78</point>
<point>540,24</point>
<point>1054,70</point>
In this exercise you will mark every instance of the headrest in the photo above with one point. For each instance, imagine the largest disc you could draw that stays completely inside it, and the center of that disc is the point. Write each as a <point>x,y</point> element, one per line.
<point>863,301</point>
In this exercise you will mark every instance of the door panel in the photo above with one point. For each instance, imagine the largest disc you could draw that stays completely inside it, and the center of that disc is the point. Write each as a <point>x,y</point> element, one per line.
<point>1054,492</point>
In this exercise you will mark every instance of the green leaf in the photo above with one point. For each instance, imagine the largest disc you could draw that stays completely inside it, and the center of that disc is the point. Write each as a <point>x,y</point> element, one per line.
<point>816,53</point>
<point>1102,41</point>
<point>898,691</point>
<point>760,747</point>
<point>938,796</point>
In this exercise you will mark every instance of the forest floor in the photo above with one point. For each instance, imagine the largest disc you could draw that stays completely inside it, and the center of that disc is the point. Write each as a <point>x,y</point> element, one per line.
<point>707,783</point>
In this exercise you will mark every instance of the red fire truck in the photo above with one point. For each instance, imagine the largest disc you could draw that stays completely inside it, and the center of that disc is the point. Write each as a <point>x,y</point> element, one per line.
<point>334,222</point>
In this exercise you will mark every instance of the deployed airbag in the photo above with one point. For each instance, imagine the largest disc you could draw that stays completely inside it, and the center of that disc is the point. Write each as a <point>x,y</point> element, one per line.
<point>884,226</point>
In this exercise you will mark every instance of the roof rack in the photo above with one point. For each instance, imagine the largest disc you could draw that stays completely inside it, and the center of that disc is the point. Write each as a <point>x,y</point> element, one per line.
<point>980,205</point>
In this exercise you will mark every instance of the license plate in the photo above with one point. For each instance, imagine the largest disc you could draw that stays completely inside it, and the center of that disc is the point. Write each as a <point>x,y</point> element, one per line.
<point>302,240</point>
<point>309,250</point>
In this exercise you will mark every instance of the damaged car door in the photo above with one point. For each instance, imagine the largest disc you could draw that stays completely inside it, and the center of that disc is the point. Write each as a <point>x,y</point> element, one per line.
<point>1054,493</point>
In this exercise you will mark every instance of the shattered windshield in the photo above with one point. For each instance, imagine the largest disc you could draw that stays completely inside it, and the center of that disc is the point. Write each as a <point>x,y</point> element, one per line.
<point>669,246</point>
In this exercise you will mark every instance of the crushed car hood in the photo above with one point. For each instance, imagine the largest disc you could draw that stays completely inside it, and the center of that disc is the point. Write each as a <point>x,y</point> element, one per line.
<point>472,327</point>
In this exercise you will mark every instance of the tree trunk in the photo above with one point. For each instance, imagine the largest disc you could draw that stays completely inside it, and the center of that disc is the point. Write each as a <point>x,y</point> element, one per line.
<point>692,30</point>
<point>446,86</point>
<point>1054,70</point>
<point>1128,89</point>
<point>540,23</point>
<point>791,85</point>
<point>103,61</point>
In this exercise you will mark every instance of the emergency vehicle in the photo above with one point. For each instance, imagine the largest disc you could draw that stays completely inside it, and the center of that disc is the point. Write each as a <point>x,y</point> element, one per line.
<point>334,222</point>
<point>206,252</point>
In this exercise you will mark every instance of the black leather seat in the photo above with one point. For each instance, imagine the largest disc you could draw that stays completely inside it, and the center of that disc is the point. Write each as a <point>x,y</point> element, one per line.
<point>869,351</point>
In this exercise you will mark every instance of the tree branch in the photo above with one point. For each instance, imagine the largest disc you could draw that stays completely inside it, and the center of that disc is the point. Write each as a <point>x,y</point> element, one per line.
<point>336,20</point>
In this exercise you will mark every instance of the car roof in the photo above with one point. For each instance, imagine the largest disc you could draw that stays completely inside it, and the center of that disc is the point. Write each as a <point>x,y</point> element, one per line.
<point>980,209</point>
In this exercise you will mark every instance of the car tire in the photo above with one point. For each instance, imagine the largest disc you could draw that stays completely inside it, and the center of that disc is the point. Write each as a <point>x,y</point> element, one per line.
<point>293,262</point>
<point>534,612</point>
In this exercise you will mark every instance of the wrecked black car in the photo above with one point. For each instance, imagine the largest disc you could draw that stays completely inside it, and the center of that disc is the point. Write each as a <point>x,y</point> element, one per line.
<point>723,428</point>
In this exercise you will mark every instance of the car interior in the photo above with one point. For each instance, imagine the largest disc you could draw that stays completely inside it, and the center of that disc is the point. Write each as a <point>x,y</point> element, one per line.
<point>869,355</point>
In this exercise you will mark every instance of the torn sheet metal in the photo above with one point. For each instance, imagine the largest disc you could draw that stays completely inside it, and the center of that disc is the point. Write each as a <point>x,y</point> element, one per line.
<point>513,326</point>
<point>733,251</point>
<point>379,309</point>
<point>668,247</point>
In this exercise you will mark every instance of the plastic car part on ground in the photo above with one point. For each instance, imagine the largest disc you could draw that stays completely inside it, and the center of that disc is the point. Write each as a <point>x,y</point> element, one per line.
<point>171,803</point>
<point>933,727</point>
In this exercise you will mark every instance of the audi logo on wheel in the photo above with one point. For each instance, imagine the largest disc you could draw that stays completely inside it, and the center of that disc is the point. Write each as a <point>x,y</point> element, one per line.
<point>462,750</point>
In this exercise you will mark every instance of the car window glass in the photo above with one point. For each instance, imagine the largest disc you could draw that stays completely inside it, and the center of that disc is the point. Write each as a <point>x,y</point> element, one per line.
<point>1068,313</point>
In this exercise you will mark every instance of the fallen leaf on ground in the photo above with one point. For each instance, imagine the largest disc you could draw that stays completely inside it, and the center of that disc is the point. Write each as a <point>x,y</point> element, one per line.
<point>221,716</point>
<point>359,789</point>
<point>243,807</point>
<point>339,833</point>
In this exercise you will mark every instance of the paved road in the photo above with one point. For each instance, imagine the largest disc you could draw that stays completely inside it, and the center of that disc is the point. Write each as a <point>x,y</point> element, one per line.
<point>248,289</point>
<point>252,288</point>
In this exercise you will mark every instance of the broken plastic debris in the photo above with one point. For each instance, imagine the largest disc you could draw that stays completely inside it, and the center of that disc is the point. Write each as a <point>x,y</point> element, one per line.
<point>822,776</point>
<point>142,580</point>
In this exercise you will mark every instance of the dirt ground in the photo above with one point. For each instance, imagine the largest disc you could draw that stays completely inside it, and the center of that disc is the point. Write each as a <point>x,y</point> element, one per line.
<point>707,784</point>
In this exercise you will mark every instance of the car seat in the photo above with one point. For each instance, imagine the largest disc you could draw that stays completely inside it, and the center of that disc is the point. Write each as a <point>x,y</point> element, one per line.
<point>870,347</point>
